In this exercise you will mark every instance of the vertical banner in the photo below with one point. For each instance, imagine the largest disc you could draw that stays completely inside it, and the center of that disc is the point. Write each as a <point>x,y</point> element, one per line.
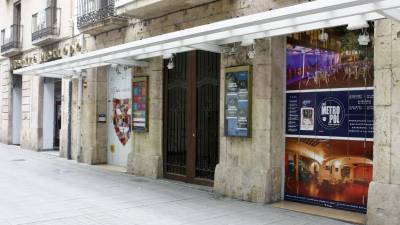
<point>119,115</point>
<point>329,119</point>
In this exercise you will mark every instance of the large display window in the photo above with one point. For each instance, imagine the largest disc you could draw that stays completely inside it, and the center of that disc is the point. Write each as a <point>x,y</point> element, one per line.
<point>329,118</point>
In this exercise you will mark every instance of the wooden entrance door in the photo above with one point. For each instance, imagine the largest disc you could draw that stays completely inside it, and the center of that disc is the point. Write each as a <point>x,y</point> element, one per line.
<point>191,117</point>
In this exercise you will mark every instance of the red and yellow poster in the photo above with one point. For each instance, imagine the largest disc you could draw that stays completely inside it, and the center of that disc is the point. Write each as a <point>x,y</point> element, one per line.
<point>329,118</point>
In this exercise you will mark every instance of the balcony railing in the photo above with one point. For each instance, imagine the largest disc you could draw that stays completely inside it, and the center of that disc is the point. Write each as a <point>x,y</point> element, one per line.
<point>11,38</point>
<point>46,23</point>
<point>93,11</point>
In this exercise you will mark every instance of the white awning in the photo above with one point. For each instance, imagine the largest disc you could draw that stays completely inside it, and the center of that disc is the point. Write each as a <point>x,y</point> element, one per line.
<point>297,18</point>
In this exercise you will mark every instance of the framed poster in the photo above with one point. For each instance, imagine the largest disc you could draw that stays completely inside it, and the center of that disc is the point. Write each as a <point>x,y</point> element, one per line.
<point>140,104</point>
<point>238,101</point>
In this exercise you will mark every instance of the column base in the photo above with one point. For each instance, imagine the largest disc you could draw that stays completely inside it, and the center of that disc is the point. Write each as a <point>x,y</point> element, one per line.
<point>254,185</point>
<point>383,204</point>
<point>145,165</point>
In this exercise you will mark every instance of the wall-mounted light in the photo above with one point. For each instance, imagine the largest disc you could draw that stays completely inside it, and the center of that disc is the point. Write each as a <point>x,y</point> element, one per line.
<point>251,43</point>
<point>171,65</point>
<point>251,53</point>
<point>323,36</point>
<point>363,38</point>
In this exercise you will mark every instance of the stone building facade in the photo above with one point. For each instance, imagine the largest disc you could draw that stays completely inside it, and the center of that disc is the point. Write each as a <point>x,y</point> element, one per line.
<point>250,169</point>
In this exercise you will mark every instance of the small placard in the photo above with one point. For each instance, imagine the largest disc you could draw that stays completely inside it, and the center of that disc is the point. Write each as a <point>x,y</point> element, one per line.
<point>102,118</point>
<point>140,104</point>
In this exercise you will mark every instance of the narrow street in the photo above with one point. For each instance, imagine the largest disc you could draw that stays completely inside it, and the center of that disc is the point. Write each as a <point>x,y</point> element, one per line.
<point>39,188</point>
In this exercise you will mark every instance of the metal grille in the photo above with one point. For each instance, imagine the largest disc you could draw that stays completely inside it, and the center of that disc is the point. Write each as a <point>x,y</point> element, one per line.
<point>46,23</point>
<point>92,11</point>
<point>11,37</point>
<point>208,71</point>
<point>176,148</point>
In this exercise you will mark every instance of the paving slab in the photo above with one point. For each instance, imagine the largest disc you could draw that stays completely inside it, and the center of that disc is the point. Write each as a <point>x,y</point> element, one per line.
<point>43,189</point>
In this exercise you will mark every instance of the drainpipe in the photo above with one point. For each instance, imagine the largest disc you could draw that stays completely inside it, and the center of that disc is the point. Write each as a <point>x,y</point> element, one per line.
<point>69,132</point>
<point>78,118</point>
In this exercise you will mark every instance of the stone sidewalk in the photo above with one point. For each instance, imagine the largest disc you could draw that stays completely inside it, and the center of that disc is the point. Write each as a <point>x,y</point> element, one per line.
<point>42,189</point>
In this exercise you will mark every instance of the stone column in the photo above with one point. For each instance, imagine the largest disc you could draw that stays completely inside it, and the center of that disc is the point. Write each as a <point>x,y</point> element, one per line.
<point>384,191</point>
<point>6,102</point>
<point>32,113</point>
<point>146,157</point>
<point>65,113</point>
<point>93,134</point>
<point>251,168</point>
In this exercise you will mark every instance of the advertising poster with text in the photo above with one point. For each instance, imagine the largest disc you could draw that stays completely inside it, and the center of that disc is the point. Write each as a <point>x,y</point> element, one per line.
<point>329,118</point>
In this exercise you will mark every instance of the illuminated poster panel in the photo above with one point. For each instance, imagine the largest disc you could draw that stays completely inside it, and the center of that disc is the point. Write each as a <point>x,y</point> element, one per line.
<point>329,118</point>
<point>238,101</point>
<point>140,104</point>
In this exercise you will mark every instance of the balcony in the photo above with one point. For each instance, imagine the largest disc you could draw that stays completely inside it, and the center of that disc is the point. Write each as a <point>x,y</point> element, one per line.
<point>46,26</point>
<point>145,9</point>
<point>98,16</point>
<point>11,40</point>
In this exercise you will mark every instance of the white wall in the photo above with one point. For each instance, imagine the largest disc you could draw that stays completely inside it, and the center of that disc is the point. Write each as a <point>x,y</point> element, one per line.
<point>48,114</point>
<point>119,87</point>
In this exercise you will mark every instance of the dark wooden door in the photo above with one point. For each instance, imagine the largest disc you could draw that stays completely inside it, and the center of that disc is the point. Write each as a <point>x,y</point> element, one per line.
<point>191,117</point>
<point>175,117</point>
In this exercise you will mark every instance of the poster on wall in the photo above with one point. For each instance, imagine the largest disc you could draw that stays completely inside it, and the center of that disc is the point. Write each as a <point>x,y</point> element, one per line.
<point>329,119</point>
<point>140,104</point>
<point>121,117</point>
<point>238,101</point>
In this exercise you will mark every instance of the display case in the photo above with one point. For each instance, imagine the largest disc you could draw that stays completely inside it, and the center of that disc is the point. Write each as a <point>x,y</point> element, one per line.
<point>140,104</point>
<point>238,91</point>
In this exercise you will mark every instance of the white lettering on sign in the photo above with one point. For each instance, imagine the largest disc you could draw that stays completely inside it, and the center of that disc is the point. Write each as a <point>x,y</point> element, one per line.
<point>332,112</point>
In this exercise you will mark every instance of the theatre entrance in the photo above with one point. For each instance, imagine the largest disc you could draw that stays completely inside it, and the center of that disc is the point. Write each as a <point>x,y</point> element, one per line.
<point>191,116</point>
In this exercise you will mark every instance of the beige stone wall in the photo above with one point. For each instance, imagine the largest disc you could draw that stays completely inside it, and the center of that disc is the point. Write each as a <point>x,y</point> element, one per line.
<point>93,147</point>
<point>204,14</point>
<point>146,158</point>
<point>251,168</point>
<point>384,192</point>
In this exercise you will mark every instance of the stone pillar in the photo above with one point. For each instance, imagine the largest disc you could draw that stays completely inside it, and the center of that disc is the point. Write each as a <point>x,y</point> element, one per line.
<point>251,168</point>
<point>6,102</point>
<point>146,157</point>
<point>384,191</point>
<point>65,112</point>
<point>32,113</point>
<point>94,101</point>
